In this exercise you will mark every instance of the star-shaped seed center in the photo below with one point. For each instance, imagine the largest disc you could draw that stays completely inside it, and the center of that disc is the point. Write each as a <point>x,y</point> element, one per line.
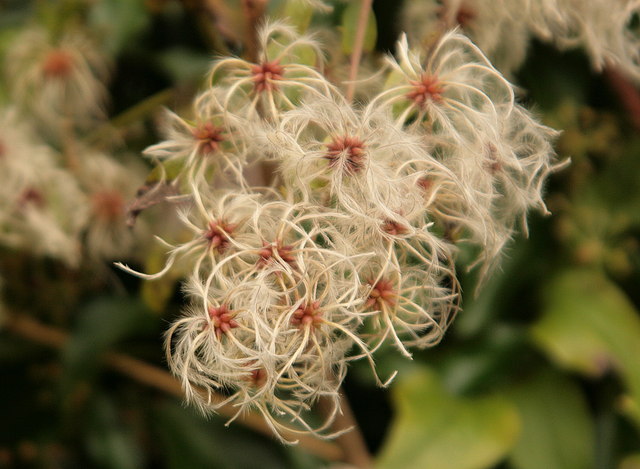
<point>427,89</point>
<point>265,75</point>
<point>348,152</point>
<point>219,233</point>
<point>307,315</point>
<point>382,294</point>
<point>221,319</point>
<point>209,137</point>
<point>108,205</point>
<point>57,64</point>
<point>276,251</point>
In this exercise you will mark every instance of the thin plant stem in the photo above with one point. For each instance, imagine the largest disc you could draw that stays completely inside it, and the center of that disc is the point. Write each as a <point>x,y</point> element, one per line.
<point>253,11</point>
<point>144,373</point>
<point>627,93</point>
<point>351,442</point>
<point>358,45</point>
<point>207,16</point>
<point>69,144</point>
<point>130,116</point>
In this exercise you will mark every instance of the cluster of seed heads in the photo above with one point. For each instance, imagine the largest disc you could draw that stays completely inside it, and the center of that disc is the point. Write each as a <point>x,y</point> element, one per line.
<point>61,197</point>
<point>350,242</point>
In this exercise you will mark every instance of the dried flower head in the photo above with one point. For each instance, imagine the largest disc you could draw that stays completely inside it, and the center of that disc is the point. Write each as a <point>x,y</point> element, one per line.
<point>454,88</point>
<point>354,245</point>
<point>497,27</point>
<point>109,185</point>
<point>215,141</point>
<point>278,78</point>
<point>57,79</point>
<point>606,30</point>
<point>43,208</point>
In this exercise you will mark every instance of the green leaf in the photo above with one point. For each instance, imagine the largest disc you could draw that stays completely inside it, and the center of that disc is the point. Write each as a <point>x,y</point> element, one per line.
<point>298,14</point>
<point>191,441</point>
<point>483,363</point>
<point>589,325</point>
<point>9,30</point>
<point>156,294</point>
<point>183,64</point>
<point>498,294</point>
<point>101,324</point>
<point>566,76</point>
<point>557,431</point>
<point>166,171</point>
<point>350,26</point>
<point>630,462</point>
<point>119,22</point>
<point>110,444</point>
<point>434,429</point>
<point>301,54</point>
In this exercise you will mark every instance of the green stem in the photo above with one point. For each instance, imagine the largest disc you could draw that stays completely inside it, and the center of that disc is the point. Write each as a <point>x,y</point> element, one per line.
<point>132,115</point>
<point>358,46</point>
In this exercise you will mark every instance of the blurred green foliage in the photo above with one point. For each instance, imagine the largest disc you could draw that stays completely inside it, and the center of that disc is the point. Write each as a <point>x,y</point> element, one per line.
<point>540,371</point>
<point>432,426</point>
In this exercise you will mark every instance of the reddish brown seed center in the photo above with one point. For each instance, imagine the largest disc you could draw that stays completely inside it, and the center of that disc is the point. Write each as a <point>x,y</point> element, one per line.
<point>492,162</point>
<point>308,315</point>
<point>221,319</point>
<point>493,166</point>
<point>394,228</point>
<point>218,234</point>
<point>349,152</point>
<point>57,64</point>
<point>209,137</point>
<point>276,251</point>
<point>108,205</point>
<point>258,377</point>
<point>382,294</point>
<point>464,15</point>
<point>425,183</point>
<point>32,196</point>
<point>428,88</point>
<point>265,74</point>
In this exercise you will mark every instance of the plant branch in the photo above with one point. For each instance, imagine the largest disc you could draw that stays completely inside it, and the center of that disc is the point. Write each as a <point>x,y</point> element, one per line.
<point>134,114</point>
<point>253,11</point>
<point>627,93</point>
<point>352,442</point>
<point>157,378</point>
<point>358,46</point>
<point>207,15</point>
<point>69,144</point>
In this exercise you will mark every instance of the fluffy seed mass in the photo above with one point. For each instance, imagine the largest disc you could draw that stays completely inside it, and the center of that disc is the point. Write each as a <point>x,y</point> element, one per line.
<point>354,241</point>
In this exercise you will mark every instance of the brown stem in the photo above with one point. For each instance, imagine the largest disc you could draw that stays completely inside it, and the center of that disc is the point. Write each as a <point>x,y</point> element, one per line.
<point>253,11</point>
<point>627,93</point>
<point>358,45</point>
<point>207,15</point>
<point>352,442</point>
<point>69,145</point>
<point>155,377</point>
